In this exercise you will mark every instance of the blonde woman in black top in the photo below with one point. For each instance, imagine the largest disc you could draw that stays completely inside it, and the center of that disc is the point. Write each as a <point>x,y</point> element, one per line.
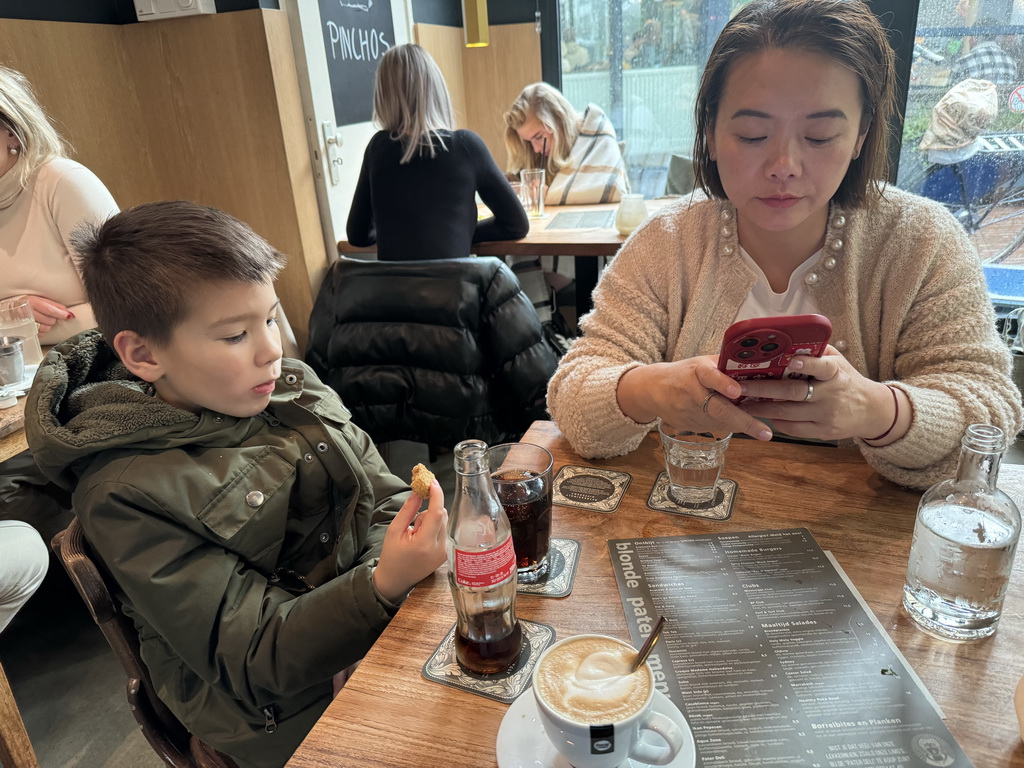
<point>416,194</point>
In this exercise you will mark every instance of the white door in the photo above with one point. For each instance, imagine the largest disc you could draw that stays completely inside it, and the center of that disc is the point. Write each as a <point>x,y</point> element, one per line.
<point>341,40</point>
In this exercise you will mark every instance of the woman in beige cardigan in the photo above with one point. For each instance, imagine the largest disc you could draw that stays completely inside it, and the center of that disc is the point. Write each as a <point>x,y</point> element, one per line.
<point>795,221</point>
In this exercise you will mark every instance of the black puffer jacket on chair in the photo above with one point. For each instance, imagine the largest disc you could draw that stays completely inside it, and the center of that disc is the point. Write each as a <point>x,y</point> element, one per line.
<point>431,351</point>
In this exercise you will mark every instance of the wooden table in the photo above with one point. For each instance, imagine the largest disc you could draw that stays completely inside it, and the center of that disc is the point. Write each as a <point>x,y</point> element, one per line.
<point>584,245</point>
<point>389,715</point>
<point>14,442</point>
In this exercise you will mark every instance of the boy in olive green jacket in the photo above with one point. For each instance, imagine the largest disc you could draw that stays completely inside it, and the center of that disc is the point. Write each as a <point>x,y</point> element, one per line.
<point>259,542</point>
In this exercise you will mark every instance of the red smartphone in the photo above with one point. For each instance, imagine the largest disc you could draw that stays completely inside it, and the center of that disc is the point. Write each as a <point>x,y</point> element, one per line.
<point>761,348</point>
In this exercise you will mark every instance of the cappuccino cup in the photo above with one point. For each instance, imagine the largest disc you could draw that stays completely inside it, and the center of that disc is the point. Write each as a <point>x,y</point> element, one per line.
<point>594,709</point>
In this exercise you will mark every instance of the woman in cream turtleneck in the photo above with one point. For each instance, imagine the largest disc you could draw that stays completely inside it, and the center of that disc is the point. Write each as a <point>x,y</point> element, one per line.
<point>43,197</point>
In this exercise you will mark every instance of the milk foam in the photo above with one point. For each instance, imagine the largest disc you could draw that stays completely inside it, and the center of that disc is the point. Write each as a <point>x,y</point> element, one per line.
<point>589,681</point>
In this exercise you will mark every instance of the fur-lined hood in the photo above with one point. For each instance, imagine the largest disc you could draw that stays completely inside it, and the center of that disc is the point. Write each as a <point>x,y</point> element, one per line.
<point>85,402</point>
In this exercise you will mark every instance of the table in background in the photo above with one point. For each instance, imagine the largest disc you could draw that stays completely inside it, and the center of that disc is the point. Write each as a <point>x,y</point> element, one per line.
<point>585,244</point>
<point>389,715</point>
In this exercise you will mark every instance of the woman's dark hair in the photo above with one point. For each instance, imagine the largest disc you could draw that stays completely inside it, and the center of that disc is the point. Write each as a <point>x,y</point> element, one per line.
<point>845,31</point>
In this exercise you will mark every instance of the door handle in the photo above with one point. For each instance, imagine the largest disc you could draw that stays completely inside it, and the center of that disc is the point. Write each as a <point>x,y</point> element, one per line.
<point>332,142</point>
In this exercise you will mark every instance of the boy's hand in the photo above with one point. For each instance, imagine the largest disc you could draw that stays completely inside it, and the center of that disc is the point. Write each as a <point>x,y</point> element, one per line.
<point>414,546</point>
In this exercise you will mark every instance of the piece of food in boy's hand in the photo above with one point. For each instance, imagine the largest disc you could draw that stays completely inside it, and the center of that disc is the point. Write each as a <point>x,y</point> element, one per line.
<point>421,480</point>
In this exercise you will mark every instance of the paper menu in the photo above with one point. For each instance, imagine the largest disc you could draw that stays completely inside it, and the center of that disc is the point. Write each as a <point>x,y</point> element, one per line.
<point>772,656</point>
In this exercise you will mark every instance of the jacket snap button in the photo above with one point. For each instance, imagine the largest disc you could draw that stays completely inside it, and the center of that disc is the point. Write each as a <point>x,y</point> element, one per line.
<point>254,498</point>
<point>291,378</point>
<point>308,457</point>
<point>324,537</point>
<point>322,447</point>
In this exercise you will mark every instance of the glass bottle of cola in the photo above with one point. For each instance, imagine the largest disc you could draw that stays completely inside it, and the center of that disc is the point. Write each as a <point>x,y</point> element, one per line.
<point>481,568</point>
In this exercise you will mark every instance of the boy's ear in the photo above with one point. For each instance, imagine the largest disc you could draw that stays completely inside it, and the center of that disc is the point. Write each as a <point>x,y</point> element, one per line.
<point>138,356</point>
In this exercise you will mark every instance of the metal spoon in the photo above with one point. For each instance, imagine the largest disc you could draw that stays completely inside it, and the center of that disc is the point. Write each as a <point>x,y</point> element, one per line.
<point>645,649</point>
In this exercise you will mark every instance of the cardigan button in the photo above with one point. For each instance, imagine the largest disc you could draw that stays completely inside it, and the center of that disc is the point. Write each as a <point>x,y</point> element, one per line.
<point>811,278</point>
<point>841,345</point>
<point>726,231</point>
<point>839,221</point>
<point>837,244</point>
<point>830,262</point>
<point>728,250</point>
<point>726,214</point>
<point>255,498</point>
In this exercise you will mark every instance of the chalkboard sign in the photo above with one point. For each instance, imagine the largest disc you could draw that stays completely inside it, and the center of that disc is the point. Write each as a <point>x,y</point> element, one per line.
<point>356,35</point>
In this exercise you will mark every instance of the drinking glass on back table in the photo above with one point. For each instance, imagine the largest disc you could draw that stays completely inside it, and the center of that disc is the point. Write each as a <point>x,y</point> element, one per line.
<point>533,191</point>
<point>521,473</point>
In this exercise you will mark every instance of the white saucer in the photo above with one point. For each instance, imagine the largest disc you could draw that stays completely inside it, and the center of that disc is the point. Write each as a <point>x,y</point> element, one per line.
<point>522,742</point>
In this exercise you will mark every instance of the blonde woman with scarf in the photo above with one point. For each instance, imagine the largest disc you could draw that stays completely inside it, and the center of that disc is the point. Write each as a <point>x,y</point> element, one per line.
<point>583,165</point>
<point>579,152</point>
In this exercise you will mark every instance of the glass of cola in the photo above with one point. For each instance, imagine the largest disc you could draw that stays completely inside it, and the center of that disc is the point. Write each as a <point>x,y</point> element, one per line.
<point>521,473</point>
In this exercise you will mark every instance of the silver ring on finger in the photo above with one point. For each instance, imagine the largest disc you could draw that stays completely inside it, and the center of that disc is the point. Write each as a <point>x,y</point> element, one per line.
<point>704,405</point>
<point>810,391</point>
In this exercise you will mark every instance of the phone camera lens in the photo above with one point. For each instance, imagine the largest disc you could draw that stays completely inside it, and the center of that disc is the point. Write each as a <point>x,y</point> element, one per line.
<point>745,354</point>
<point>771,346</point>
<point>751,342</point>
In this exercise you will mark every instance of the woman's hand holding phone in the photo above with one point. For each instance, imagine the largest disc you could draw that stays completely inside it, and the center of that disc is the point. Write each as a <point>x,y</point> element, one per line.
<point>678,392</point>
<point>805,387</point>
<point>843,403</point>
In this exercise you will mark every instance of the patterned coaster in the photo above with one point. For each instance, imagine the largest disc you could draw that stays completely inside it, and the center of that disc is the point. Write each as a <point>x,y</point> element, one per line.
<point>563,557</point>
<point>599,490</point>
<point>443,668</point>
<point>719,508</point>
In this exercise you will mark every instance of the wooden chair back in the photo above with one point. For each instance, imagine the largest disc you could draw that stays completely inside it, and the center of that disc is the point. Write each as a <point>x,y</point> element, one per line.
<point>169,738</point>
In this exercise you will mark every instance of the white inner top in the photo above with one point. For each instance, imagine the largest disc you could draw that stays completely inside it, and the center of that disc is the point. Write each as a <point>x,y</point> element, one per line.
<point>762,301</point>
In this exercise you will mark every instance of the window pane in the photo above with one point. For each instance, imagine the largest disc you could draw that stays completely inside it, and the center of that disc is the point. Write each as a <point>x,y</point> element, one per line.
<point>963,139</point>
<point>640,61</point>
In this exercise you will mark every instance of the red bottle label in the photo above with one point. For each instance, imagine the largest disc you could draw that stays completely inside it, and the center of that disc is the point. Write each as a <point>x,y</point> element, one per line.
<point>485,569</point>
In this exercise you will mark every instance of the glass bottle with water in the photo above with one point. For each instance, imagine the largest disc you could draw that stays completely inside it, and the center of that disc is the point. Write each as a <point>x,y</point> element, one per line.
<point>964,541</point>
<point>481,568</point>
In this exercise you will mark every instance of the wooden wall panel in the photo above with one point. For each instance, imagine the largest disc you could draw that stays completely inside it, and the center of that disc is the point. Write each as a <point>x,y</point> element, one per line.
<point>445,44</point>
<point>204,108</point>
<point>301,280</point>
<point>81,76</point>
<point>226,129</point>
<point>494,76</point>
<point>483,82</point>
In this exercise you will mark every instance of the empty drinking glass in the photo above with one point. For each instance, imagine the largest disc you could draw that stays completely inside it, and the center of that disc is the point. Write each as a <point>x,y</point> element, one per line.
<point>533,191</point>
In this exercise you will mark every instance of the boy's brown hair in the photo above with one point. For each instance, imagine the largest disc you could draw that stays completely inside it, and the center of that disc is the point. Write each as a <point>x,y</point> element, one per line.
<point>141,266</point>
<point>846,31</point>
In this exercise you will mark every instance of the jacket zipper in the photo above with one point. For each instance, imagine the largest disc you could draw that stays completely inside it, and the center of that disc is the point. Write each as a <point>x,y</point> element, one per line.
<point>270,721</point>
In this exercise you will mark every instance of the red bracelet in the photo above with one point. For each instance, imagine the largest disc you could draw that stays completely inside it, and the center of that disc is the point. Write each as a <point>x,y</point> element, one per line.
<point>896,401</point>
